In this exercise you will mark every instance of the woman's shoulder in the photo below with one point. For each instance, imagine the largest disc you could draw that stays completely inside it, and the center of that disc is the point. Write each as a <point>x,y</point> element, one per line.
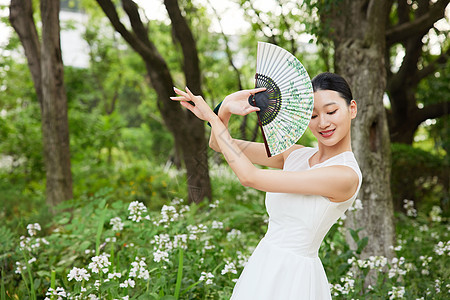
<point>346,158</point>
<point>297,153</point>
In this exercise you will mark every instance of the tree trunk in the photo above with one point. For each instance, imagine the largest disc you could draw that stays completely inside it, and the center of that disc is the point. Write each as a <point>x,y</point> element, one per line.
<point>412,25</point>
<point>45,63</point>
<point>359,58</point>
<point>188,131</point>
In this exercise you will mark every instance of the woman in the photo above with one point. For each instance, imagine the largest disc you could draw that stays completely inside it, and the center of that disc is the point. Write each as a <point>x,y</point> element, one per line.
<point>304,199</point>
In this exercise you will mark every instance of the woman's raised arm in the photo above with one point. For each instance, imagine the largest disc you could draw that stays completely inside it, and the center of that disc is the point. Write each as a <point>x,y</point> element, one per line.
<point>237,103</point>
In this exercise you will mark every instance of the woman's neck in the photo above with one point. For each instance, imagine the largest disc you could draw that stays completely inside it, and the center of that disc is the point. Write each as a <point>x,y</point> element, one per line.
<point>326,152</point>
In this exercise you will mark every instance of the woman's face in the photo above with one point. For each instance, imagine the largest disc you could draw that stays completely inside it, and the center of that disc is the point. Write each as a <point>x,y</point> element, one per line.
<point>331,117</point>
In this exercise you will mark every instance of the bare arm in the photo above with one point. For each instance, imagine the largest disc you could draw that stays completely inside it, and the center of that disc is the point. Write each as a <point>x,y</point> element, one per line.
<point>338,183</point>
<point>256,152</point>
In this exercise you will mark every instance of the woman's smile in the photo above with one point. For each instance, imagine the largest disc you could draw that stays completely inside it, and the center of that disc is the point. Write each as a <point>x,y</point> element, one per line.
<point>327,133</point>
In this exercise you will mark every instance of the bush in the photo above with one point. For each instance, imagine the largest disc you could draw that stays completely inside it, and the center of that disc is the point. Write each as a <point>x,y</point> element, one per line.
<point>418,175</point>
<point>111,248</point>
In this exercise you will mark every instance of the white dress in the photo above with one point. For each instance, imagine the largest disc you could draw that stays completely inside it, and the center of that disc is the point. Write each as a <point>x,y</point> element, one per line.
<point>285,264</point>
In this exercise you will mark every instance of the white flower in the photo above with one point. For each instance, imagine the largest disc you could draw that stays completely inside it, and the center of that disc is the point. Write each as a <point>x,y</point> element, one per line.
<point>409,207</point>
<point>233,234</point>
<point>92,297</point>
<point>215,204</point>
<point>168,214</point>
<point>207,277</point>
<point>159,255</point>
<point>136,209</point>
<point>138,269</point>
<point>114,275</point>
<point>116,223</point>
<point>32,228</point>
<point>126,298</point>
<point>97,284</point>
<point>127,283</point>
<point>58,292</point>
<point>100,262</point>
<point>180,240</point>
<point>217,225</point>
<point>176,201</point>
<point>396,293</point>
<point>423,228</point>
<point>208,246</point>
<point>435,214</point>
<point>32,260</point>
<point>111,239</point>
<point>441,248</point>
<point>78,274</point>
<point>229,268</point>
<point>357,205</point>
<point>194,230</point>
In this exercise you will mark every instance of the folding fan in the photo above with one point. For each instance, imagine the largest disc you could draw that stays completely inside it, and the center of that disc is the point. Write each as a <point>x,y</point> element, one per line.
<point>287,103</point>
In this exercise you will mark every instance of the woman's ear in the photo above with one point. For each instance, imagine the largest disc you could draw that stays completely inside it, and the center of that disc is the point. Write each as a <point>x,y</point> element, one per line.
<point>353,109</point>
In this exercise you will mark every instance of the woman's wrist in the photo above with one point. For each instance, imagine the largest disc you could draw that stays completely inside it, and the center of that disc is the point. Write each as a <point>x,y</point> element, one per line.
<point>223,110</point>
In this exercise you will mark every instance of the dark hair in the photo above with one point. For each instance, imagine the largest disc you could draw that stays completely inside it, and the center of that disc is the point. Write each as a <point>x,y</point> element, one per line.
<point>332,82</point>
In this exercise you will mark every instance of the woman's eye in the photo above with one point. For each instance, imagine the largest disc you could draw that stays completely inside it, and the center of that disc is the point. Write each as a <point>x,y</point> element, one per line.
<point>313,117</point>
<point>332,112</point>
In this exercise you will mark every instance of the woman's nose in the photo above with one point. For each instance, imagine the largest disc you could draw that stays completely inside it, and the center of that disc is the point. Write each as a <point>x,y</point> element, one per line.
<point>323,122</point>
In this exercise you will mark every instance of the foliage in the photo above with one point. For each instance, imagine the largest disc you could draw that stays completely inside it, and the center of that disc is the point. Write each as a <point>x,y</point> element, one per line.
<point>172,250</point>
<point>418,175</point>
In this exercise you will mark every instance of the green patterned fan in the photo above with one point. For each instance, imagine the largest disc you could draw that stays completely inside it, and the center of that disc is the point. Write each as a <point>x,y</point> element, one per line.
<point>287,103</point>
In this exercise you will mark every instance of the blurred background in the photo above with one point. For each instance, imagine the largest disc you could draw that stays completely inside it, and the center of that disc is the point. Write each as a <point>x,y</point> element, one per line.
<point>85,110</point>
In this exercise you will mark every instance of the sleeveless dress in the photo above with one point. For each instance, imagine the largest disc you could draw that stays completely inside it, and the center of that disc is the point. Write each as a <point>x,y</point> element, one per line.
<point>285,264</point>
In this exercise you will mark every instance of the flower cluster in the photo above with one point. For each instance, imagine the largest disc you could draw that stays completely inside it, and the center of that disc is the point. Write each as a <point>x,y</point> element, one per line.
<point>207,277</point>
<point>168,214</point>
<point>425,261</point>
<point>56,294</point>
<point>33,228</point>
<point>348,283</point>
<point>137,209</point>
<point>216,225</point>
<point>442,248</point>
<point>128,283</point>
<point>138,269</point>
<point>409,207</point>
<point>357,205</point>
<point>396,267</point>
<point>435,214</point>
<point>79,274</point>
<point>194,230</point>
<point>396,293</point>
<point>100,263</point>
<point>229,268</point>
<point>116,223</point>
<point>373,262</point>
<point>233,234</point>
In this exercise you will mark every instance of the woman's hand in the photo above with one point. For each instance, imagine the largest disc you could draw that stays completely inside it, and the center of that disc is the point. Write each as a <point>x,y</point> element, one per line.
<point>237,103</point>
<point>201,109</point>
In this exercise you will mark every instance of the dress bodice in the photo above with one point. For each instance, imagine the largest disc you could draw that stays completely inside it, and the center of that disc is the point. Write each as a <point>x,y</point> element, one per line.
<point>298,223</point>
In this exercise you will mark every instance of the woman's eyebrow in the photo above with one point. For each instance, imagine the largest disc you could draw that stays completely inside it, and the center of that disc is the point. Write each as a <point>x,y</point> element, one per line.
<point>330,103</point>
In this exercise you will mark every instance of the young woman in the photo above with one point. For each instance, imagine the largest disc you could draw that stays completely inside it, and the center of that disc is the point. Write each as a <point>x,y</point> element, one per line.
<point>304,199</point>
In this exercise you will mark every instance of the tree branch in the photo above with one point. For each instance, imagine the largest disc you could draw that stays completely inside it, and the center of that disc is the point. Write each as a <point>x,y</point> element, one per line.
<point>110,11</point>
<point>421,24</point>
<point>184,35</point>
<point>432,111</point>
<point>138,27</point>
<point>227,48</point>
<point>21,18</point>
<point>431,67</point>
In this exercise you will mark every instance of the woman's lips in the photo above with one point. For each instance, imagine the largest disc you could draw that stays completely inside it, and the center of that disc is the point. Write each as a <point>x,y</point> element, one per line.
<point>327,133</point>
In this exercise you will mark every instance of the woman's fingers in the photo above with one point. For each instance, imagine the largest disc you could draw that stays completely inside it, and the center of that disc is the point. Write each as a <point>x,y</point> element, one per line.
<point>257,90</point>
<point>187,105</point>
<point>181,98</point>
